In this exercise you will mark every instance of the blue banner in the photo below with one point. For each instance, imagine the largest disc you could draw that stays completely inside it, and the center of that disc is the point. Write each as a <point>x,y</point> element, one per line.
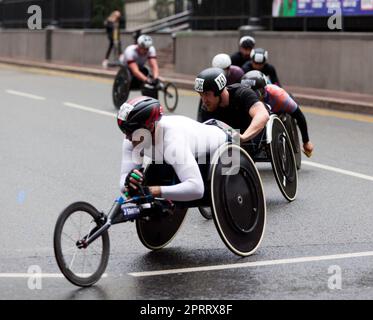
<point>319,8</point>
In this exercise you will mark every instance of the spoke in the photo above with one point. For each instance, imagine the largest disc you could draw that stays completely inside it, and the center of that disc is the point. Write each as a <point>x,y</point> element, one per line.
<point>93,249</point>
<point>89,262</point>
<point>84,258</point>
<point>72,261</point>
<point>66,235</point>
<point>74,223</point>
<point>80,226</point>
<point>90,227</point>
<point>71,249</point>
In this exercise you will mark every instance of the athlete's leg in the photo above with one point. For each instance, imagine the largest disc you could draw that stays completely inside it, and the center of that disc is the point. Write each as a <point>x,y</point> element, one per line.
<point>302,124</point>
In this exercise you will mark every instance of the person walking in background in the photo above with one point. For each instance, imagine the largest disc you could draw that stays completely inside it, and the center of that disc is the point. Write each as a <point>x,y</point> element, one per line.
<point>112,26</point>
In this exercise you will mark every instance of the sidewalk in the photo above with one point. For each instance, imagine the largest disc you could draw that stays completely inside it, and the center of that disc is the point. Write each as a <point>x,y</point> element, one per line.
<point>320,98</point>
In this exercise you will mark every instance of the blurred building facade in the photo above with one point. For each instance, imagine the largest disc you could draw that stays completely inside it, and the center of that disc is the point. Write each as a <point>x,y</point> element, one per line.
<point>275,15</point>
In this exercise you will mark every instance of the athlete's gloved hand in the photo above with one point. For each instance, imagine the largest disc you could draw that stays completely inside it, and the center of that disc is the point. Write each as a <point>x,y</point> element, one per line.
<point>133,183</point>
<point>153,82</point>
<point>156,81</point>
<point>150,81</point>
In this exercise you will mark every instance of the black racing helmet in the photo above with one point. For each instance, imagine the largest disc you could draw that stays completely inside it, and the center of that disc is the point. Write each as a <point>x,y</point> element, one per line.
<point>254,79</point>
<point>211,79</point>
<point>138,113</point>
<point>247,42</point>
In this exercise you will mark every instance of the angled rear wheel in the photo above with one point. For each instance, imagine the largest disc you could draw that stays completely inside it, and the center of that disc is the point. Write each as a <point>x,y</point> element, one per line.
<point>283,160</point>
<point>237,195</point>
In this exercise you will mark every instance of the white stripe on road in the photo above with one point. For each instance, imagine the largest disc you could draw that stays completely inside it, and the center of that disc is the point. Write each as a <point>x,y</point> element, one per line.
<point>346,172</point>
<point>41,275</point>
<point>24,94</point>
<point>253,264</point>
<point>84,108</point>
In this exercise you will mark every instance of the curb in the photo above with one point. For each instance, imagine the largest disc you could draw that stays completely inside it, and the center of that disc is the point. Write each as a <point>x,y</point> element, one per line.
<point>108,74</point>
<point>335,104</point>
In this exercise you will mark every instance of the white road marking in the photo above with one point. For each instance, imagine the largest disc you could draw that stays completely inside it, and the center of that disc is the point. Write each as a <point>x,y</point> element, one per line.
<point>42,275</point>
<point>252,264</point>
<point>84,108</point>
<point>24,94</point>
<point>346,172</point>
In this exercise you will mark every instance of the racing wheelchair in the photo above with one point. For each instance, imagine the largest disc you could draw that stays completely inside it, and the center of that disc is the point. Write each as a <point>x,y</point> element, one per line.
<point>274,145</point>
<point>122,87</point>
<point>233,190</point>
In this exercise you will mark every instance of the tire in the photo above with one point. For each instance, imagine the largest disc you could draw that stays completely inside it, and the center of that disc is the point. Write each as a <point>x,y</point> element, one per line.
<point>205,212</point>
<point>158,231</point>
<point>91,215</point>
<point>291,127</point>
<point>283,160</point>
<point>171,96</point>
<point>121,87</point>
<point>238,202</point>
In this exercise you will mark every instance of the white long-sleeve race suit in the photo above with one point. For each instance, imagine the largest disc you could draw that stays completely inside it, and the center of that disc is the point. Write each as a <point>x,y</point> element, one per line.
<point>178,141</point>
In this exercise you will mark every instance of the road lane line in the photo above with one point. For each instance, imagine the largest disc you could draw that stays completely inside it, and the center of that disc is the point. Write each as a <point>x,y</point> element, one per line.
<point>41,275</point>
<point>252,264</point>
<point>49,72</point>
<point>346,172</point>
<point>84,108</point>
<point>24,94</point>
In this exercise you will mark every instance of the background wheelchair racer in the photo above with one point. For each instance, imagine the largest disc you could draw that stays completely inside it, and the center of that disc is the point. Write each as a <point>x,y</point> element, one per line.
<point>263,136</point>
<point>232,73</point>
<point>243,55</point>
<point>236,105</point>
<point>259,61</point>
<point>280,102</point>
<point>135,57</point>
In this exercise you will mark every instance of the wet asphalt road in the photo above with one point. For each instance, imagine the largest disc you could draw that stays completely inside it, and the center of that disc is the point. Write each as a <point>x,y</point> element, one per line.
<point>52,155</point>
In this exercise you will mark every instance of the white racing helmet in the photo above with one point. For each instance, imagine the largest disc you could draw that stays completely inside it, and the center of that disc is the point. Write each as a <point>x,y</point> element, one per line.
<point>145,41</point>
<point>222,61</point>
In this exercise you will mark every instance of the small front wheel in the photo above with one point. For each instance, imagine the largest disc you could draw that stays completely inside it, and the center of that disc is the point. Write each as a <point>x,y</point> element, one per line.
<point>205,212</point>
<point>82,266</point>
<point>171,96</point>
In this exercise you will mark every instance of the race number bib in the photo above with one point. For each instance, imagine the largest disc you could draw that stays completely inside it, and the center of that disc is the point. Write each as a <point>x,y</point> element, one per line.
<point>221,81</point>
<point>248,82</point>
<point>198,84</point>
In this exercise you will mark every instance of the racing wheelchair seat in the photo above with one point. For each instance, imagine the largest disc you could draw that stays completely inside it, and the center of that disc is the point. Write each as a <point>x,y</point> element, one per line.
<point>232,188</point>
